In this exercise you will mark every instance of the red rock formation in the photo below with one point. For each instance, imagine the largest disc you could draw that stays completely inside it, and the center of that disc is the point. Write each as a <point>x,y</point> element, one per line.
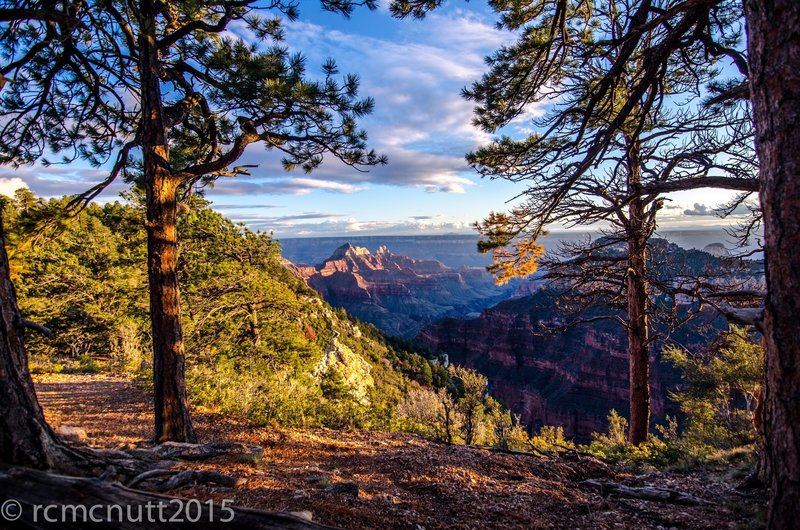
<point>572,379</point>
<point>397,293</point>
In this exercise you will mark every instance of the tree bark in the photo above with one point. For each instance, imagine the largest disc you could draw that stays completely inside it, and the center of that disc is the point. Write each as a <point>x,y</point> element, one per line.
<point>773,35</point>
<point>172,419</point>
<point>25,437</point>
<point>637,301</point>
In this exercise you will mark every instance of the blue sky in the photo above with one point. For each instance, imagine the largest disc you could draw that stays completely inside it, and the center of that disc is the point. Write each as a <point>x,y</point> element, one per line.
<point>414,70</point>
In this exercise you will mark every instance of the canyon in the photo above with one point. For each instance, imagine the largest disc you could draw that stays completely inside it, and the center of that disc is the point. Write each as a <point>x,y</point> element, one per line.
<point>398,294</point>
<point>571,377</point>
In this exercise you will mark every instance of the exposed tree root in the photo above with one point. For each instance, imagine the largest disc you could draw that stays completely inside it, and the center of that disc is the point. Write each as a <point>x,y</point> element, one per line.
<point>192,476</point>
<point>143,466</point>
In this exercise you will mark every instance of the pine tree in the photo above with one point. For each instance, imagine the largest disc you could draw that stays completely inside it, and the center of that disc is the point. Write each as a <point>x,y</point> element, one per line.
<point>157,89</point>
<point>721,389</point>
<point>624,124</point>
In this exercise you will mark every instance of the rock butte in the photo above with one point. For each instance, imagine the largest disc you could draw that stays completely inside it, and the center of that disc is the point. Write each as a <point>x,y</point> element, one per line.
<point>399,294</point>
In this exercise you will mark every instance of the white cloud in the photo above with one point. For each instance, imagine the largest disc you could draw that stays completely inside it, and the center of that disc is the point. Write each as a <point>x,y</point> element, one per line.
<point>9,185</point>
<point>338,225</point>
<point>59,180</point>
<point>406,167</point>
<point>353,226</point>
<point>288,186</point>
<point>284,221</point>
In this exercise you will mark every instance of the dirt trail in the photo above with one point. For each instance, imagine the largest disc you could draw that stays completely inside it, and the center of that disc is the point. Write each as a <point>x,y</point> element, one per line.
<point>403,481</point>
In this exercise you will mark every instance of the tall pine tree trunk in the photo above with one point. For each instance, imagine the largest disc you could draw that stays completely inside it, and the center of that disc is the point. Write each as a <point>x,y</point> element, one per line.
<point>773,34</point>
<point>637,305</point>
<point>25,437</point>
<point>172,419</point>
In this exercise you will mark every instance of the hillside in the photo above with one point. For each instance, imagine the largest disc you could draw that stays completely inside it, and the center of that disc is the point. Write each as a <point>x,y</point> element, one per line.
<point>260,344</point>
<point>402,481</point>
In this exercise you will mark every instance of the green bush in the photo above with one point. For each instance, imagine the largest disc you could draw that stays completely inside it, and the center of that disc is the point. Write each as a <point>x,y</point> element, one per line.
<point>509,433</point>
<point>430,413</point>
<point>43,364</point>
<point>659,451</point>
<point>551,439</point>
<point>720,390</point>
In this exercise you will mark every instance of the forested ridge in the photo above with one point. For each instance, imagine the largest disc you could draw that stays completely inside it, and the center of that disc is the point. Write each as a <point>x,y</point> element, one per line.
<point>255,333</point>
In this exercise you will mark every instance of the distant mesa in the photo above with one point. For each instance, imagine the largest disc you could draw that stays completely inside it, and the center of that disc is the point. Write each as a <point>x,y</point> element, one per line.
<point>717,250</point>
<point>399,294</point>
<point>348,249</point>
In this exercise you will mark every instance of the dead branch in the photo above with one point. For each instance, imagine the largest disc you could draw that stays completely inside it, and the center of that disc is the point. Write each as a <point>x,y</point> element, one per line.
<point>193,476</point>
<point>194,452</point>
<point>152,473</point>
<point>648,493</point>
<point>44,330</point>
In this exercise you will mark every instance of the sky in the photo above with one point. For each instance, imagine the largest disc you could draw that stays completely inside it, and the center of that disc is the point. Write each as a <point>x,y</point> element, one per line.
<point>414,69</point>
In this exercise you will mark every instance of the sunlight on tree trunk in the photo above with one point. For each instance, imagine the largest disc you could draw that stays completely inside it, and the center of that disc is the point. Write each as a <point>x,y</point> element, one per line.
<point>172,419</point>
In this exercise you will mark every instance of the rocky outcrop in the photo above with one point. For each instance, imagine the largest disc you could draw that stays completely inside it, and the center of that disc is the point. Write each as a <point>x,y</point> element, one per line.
<point>399,294</point>
<point>718,250</point>
<point>355,371</point>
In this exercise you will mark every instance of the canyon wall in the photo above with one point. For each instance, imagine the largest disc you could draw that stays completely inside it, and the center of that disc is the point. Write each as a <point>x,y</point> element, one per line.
<point>571,378</point>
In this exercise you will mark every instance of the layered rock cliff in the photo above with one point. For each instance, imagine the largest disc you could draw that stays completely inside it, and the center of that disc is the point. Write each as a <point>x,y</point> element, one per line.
<point>399,294</point>
<point>571,378</point>
<point>575,377</point>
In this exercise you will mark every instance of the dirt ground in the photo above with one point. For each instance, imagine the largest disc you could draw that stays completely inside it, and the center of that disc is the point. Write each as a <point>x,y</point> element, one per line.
<point>402,480</point>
